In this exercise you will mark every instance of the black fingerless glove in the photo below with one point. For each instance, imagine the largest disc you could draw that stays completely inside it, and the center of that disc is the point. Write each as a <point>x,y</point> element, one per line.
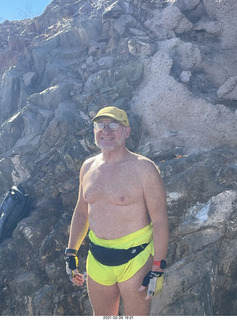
<point>71,265</point>
<point>154,281</point>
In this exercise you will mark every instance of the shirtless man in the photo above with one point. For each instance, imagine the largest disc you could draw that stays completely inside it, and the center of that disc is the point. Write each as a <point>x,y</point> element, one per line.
<point>122,200</point>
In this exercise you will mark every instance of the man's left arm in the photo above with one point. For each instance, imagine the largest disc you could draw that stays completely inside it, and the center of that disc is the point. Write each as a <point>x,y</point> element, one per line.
<point>155,198</point>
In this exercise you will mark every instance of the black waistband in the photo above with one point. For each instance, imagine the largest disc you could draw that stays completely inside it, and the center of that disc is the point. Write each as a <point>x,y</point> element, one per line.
<point>114,257</point>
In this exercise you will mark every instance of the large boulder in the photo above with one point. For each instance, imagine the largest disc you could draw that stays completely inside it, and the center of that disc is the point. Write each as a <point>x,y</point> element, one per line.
<point>201,276</point>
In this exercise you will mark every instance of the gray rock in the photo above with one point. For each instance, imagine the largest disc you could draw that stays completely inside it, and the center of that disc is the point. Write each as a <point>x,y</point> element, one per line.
<point>5,175</point>
<point>139,48</point>
<point>123,23</point>
<point>229,89</point>
<point>25,283</point>
<point>185,5</point>
<point>51,97</point>
<point>185,76</point>
<point>42,300</point>
<point>106,62</point>
<point>29,78</point>
<point>10,92</point>
<point>196,269</point>
<point>173,19</point>
<point>116,9</point>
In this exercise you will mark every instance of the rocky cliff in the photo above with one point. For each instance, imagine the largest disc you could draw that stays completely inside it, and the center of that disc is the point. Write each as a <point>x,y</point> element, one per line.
<point>172,66</point>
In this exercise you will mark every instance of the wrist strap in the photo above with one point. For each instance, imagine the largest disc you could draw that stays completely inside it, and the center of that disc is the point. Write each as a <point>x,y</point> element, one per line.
<point>68,250</point>
<point>161,264</point>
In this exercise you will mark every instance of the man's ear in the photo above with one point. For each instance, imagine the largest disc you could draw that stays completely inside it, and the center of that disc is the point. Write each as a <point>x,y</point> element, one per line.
<point>127,132</point>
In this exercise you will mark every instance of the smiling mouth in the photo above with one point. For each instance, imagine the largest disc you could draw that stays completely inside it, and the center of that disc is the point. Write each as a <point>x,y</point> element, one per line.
<point>107,139</point>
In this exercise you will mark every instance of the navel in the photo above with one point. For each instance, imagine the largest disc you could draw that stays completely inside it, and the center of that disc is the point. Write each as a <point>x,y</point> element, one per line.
<point>122,199</point>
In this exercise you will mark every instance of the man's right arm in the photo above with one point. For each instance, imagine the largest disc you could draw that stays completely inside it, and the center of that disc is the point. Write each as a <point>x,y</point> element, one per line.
<point>78,230</point>
<point>79,223</point>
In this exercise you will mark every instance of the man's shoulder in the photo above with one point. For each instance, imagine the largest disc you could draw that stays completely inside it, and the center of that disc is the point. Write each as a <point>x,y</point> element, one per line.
<point>143,160</point>
<point>88,162</point>
<point>145,164</point>
<point>91,159</point>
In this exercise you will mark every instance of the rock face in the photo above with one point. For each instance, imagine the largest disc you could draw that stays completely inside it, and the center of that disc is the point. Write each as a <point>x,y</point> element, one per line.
<point>172,66</point>
<point>201,194</point>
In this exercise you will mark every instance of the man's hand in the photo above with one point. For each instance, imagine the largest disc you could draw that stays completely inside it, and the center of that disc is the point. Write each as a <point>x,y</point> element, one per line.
<point>154,281</point>
<point>71,269</point>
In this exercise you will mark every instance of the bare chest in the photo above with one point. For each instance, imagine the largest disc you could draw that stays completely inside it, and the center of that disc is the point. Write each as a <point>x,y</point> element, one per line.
<point>117,185</point>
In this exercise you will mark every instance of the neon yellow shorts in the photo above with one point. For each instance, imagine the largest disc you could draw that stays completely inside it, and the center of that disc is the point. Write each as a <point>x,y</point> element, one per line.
<point>109,275</point>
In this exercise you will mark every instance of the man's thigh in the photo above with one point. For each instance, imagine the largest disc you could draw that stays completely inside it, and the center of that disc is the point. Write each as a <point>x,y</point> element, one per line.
<point>104,299</point>
<point>134,301</point>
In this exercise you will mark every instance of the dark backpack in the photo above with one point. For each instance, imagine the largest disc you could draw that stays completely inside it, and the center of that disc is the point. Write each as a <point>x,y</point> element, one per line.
<point>15,206</point>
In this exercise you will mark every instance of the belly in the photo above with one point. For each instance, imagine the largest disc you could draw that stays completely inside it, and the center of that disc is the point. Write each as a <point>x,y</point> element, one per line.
<point>115,221</point>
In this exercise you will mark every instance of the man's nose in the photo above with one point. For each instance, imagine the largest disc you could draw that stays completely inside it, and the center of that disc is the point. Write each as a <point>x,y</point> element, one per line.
<point>107,129</point>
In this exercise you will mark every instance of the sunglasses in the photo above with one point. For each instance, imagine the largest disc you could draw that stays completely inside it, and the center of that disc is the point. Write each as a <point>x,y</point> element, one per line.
<point>100,126</point>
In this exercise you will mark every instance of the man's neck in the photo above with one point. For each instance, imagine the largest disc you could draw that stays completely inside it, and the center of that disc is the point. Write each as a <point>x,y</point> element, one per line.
<point>117,155</point>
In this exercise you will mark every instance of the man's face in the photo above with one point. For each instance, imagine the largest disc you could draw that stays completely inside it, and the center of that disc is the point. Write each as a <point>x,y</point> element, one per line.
<point>110,134</point>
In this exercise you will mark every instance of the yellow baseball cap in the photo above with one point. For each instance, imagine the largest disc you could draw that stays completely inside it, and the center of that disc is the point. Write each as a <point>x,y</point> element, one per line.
<point>113,113</point>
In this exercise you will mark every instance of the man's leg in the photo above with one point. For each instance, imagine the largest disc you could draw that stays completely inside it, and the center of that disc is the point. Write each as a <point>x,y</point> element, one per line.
<point>104,299</point>
<point>134,301</point>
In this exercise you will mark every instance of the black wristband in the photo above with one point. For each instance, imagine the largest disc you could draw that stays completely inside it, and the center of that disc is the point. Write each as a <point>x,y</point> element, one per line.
<point>68,250</point>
